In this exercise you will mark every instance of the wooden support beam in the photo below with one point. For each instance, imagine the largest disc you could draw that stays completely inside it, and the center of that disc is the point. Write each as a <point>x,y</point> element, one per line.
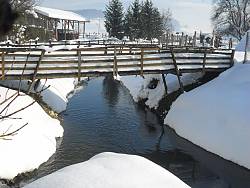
<point>177,70</point>
<point>142,61</point>
<point>79,64</point>
<point>204,62</point>
<point>3,66</point>
<point>115,70</point>
<point>36,71</point>
<point>232,58</point>
<point>165,84</point>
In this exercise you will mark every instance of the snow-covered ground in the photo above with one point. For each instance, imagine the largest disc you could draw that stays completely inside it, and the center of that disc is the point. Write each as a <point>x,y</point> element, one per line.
<point>139,89</point>
<point>110,170</point>
<point>32,145</point>
<point>215,116</point>
<point>56,94</point>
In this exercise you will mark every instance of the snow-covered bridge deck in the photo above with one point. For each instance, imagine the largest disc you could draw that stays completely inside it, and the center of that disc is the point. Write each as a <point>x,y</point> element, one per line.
<point>64,62</point>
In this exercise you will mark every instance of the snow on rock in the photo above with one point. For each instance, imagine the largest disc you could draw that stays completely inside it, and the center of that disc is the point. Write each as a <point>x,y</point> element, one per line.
<point>32,145</point>
<point>216,117</point>
<point>110,170</point>
<point>139,87</point>
<point>56,96</point>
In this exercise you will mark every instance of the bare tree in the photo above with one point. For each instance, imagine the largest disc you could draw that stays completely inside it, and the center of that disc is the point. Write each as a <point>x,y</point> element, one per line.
<point>167,20</point>
<point>231,17</point>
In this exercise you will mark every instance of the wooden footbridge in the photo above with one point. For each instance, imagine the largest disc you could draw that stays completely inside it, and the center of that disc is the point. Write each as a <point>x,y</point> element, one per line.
<point>66,61</point>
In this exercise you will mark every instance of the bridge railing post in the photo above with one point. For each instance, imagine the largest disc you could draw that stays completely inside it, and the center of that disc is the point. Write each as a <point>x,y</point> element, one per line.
<point>232,58</point>
<point>115,70</point>
<point>79,65</point>
<point>204,62</point>
<point>177,70</point>
<point>142,61</point>
<point>3,65</point>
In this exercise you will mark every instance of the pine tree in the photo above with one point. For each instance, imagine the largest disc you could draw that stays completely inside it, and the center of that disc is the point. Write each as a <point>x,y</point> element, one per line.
<point>136,20</point>
<point>128,23</point>
<point>147,26</point>
<point>114,22</point>
<point>152,25</point>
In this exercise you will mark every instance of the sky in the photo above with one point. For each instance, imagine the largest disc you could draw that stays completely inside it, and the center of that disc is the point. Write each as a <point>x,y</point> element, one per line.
<point>193,15</point>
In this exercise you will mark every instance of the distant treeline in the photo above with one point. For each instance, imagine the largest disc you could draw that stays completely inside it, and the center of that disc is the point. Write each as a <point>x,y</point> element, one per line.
<point>141,20</point>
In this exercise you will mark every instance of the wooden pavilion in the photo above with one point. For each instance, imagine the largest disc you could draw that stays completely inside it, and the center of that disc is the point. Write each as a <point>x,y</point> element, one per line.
<point>65,25</point>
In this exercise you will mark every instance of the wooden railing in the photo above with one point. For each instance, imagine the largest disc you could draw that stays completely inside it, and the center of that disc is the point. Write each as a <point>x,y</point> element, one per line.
<point>33,63</point>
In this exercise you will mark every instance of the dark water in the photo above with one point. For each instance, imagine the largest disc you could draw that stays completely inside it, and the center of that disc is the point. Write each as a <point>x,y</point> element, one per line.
<point>104,118</point>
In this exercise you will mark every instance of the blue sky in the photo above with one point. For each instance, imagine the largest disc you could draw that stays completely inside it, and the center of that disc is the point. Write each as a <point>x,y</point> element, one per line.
<point>191,14</point>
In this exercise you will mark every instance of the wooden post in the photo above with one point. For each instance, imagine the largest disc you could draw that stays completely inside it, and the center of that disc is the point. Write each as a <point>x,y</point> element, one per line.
<point>78,29</point>
<point>204,62</point>
<point>165,84</point>
<point>79,65</point>
<point>115,71</point>
<point>186,40</point>
<point>181,39</point>
<point>3,66</point>
<point>232,58</point>
<point>177,70</point>
<point>194,39</point>
<point>36,71</point>
<point>142,56</point>
<point>246,48</point>
<point>230,46</point>
<point>172,39</point>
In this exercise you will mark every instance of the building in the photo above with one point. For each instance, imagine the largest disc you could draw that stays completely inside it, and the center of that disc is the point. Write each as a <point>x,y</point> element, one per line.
<point>61,24</point>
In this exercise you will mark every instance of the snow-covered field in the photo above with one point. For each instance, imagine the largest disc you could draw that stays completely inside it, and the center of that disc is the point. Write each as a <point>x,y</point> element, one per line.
<point>110,170</point>
<point>32,145</point>
<point>139,89</point>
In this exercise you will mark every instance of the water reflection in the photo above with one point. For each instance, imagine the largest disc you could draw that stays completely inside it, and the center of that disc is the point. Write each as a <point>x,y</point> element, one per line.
<point>110,90</point>
<point>234,175</point>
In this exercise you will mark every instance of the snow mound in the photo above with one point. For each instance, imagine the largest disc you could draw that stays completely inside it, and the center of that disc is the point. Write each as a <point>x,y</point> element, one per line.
<point>56,94</point>
<point>216,117</point>
<point>110,170</point>
<point>32,145</point>
<point>139,89</point>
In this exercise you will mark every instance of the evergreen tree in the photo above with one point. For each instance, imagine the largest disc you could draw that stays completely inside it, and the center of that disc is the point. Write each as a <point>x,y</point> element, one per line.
<point>114,22</point>
<point>136,20</point>
<point>128,23</point>
<point>147,22</point>
<point>133,21</point>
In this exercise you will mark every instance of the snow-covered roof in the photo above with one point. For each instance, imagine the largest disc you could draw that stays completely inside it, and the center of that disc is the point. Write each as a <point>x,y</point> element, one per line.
<point>59,14</point>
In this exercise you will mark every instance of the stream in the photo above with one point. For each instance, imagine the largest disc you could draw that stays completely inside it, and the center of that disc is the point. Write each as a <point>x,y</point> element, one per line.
<point>104,118</point>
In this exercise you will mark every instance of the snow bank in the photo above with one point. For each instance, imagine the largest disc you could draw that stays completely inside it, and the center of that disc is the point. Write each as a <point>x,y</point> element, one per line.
<point>110,170</point>
<point>32,145</point>
<point>139,89</point>
<point>216,117</point>
<point>56,96</point>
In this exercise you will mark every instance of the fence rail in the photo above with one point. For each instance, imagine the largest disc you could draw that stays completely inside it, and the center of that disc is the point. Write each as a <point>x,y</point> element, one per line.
<point>34,63</point>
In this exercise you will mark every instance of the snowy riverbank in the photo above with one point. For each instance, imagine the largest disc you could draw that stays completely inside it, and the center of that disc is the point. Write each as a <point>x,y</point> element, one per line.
<point>36,142</point>
<point>215,116</point>
<point>140,88</point>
